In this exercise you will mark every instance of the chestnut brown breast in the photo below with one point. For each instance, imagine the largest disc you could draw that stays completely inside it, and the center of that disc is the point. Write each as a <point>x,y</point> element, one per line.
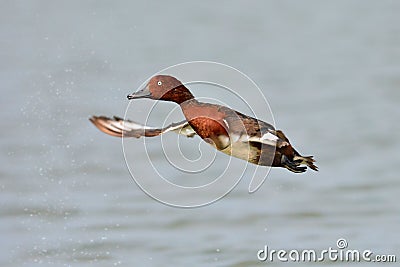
<point>207,120</point>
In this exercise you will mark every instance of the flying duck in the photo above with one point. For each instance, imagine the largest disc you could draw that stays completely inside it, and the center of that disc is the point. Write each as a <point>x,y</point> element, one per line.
<point>229,131</point>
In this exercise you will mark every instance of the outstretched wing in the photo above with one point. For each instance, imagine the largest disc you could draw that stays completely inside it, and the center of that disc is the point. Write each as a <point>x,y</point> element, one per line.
<point>119,127</point>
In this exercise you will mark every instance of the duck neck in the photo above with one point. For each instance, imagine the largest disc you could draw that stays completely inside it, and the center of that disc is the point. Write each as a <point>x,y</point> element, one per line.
<point>183,96</point>
<point>188,102</point>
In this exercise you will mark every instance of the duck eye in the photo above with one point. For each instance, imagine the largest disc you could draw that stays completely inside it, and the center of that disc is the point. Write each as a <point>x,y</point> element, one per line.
<point>159,83</point>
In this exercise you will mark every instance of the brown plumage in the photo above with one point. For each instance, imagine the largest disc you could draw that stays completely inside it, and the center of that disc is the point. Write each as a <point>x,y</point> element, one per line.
<point>229,131</point>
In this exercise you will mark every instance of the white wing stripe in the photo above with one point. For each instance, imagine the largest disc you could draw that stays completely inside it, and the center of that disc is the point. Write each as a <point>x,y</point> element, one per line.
<point>269,136</point>
<point>263,141</point>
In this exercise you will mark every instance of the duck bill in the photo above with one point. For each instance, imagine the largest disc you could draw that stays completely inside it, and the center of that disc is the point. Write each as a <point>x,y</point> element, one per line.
<point>143,93</point>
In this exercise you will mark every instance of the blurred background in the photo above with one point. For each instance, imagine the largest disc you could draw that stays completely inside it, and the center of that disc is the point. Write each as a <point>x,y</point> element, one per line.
<point>330,71</point>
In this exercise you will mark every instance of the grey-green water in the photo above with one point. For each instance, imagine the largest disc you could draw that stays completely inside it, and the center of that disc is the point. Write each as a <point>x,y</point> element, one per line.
<point>330,71</point>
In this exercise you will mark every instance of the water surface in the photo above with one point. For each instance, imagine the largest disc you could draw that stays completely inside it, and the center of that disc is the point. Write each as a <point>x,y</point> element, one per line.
<point>329,70</point>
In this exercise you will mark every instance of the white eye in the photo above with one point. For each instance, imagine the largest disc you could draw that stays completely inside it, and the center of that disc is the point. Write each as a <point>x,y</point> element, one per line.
<point>159,83</point>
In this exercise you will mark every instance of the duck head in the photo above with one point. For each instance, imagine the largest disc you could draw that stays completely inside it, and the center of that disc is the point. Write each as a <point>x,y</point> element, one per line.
<point>164,87</point>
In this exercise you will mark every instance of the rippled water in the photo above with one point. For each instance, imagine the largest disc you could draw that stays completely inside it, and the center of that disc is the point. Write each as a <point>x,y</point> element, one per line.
<point>329,70</point>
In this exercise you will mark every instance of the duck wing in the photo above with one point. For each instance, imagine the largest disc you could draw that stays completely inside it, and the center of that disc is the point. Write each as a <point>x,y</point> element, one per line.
<point>250,129</point>
<point>119,127</point>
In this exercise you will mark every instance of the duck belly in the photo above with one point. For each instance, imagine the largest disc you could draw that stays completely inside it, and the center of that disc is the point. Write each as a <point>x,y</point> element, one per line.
<point>243,150</point>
